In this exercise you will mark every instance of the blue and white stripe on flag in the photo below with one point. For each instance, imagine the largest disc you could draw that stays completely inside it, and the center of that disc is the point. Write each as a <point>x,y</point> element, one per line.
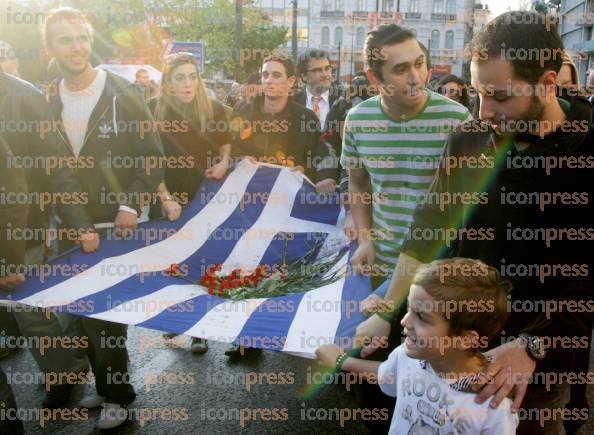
<point>259,214</point>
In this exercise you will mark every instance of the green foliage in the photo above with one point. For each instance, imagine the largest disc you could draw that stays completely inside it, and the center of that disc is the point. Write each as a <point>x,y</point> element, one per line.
<point>540,6</point>
<point>136,28</point>
<point>258,42</point>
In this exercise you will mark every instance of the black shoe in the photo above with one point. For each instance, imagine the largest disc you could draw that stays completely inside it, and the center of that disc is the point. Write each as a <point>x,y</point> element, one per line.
<point>237,351</point>
<point>57,396</point>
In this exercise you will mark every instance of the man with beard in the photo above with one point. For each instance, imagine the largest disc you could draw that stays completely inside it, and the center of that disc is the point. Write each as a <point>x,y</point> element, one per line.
<point>319,95</point>
<point>103,119</point>
<point>314,69</point>
<point>524,183</point>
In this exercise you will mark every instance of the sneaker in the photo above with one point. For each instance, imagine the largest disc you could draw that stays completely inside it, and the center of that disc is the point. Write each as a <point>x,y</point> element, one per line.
<point>199,345</point>
<point>112,415</point>
<point>92,400</point>
<point>170,335</point>
<point>57,396</point>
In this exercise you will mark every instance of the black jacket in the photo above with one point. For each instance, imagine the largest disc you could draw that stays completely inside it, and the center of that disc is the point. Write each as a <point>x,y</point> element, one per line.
<point>194,147</point>
<point>301,96</point>
<point>123,142</point>
<point>13,216</point>
<point>295,132</point>
<point>25,128</point>
<point>505,201</point>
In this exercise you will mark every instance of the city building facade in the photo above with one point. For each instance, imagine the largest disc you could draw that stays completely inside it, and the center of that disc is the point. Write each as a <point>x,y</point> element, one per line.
<point>576,23</point>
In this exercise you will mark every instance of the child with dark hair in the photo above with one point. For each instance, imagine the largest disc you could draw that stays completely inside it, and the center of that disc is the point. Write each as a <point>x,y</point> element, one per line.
<point>455,307</point>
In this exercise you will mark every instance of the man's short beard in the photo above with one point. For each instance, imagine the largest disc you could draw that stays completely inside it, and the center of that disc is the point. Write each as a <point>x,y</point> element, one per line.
<point>319,89</point>
<point>535,112</point>
<point>72,72</point>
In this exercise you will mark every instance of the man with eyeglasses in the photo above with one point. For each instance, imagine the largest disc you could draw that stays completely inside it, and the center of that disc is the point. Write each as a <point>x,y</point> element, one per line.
<point>318,95</point>
<point>314,69</point>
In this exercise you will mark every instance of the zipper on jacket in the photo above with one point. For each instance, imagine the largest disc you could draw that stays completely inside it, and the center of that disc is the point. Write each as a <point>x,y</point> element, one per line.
<point>89,131</point>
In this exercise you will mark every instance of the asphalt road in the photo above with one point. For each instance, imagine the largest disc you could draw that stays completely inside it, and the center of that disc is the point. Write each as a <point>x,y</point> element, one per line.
<point>182,393</point>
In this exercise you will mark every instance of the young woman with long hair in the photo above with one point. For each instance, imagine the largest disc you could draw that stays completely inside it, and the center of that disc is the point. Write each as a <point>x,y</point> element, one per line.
<point>194,130</point>
<point>195,136</point>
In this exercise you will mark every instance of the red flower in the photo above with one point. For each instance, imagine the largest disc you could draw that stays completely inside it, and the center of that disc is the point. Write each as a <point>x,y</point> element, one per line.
<point>223,286</point>
<point>173,270</point>
<point>207,279</point>
<point>212,269</point>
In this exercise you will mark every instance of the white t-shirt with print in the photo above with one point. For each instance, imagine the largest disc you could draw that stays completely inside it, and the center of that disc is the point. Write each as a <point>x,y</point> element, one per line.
<point>428,404</point>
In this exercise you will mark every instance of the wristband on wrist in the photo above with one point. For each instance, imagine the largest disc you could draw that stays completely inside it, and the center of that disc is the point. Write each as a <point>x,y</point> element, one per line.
<point>340,359</point>
<point>388,316</point>
<point>167,197</point>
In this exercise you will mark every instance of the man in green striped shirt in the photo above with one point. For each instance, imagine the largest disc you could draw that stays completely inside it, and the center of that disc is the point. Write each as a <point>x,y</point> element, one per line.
<point>392,145</point>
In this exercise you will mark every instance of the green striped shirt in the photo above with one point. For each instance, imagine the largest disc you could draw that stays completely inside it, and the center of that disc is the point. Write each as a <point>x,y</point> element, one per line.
<point>401,158</point>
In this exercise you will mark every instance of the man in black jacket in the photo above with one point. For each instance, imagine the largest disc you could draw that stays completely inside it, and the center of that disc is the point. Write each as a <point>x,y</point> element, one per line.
<point>275,129</point>
<point>101,118</point>
<point>23,117</point>
<point>515,190</point>
<point>12,255</point>
<point>318,95</point>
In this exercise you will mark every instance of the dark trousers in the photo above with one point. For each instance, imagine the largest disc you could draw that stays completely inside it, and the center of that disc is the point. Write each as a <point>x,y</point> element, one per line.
<point>109,359</point>
<point>578,399</point>
<point>8,324</point>
<point>540,402</point>
<point>370,396</point>
<point>106,352</point>
<point>9,423</point>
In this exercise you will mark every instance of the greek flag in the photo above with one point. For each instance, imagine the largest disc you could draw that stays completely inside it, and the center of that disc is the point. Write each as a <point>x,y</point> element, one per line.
<point>258,215</point>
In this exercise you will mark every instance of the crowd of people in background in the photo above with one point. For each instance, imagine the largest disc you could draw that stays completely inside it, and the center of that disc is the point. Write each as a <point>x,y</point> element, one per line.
<point>363,139</point>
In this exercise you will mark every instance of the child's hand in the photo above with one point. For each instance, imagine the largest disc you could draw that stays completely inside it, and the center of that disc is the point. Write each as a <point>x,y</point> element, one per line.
<point>370,304</point>
<point>327,354</point>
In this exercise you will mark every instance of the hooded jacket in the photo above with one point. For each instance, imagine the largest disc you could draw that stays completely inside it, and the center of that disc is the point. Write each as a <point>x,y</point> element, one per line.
<point>121,157</point>
<point>35,149</point>
<point>528,213</point>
